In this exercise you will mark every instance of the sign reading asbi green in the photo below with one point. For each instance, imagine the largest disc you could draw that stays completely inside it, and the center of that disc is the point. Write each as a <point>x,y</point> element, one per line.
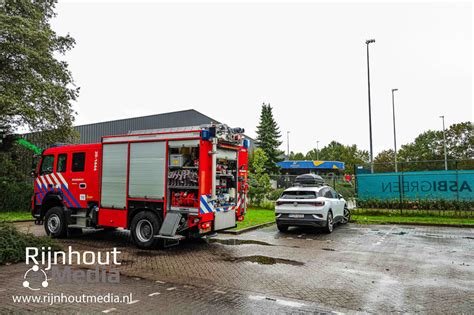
<point>431,185</point>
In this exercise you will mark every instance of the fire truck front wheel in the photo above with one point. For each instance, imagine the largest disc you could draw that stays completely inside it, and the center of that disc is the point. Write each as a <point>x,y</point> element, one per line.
<point>145,225</point>
<point>55,222</point>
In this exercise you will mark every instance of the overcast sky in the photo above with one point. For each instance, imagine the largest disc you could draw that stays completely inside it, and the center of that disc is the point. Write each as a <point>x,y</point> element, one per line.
<point>307,60</point>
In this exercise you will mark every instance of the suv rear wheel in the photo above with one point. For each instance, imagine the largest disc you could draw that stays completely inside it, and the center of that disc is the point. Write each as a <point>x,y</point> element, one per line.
<point>329,223</point>
<point>282,228</point>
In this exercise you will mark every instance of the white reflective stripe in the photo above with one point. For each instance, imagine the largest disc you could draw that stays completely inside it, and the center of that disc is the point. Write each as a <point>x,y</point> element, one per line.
<point>62,179</point>
<point>203,207</point>
<point>44,182</point>
<point>49,180</point>
<point>57,183</point>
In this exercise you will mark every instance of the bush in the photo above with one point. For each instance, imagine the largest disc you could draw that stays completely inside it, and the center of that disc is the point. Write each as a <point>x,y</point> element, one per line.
<point>264,204</point>
<point>15,196</point>
<point>275,194</point>
<point>14,243</point>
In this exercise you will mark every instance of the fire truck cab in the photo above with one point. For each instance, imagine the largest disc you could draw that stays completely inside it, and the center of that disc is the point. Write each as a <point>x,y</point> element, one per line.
<point>165,184</point>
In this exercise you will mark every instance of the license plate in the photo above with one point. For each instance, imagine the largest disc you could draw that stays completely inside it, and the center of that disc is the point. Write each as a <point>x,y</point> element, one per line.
<point>296,216</point>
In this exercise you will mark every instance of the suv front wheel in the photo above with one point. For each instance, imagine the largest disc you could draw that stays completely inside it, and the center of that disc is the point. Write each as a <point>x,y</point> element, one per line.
<point>347,215</point>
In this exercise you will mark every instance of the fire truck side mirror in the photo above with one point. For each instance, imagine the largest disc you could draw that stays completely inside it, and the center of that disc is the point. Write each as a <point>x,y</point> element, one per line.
<point>34,162</point>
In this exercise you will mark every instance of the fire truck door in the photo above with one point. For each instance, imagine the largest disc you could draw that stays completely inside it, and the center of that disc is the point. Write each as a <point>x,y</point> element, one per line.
<point>77,178</point>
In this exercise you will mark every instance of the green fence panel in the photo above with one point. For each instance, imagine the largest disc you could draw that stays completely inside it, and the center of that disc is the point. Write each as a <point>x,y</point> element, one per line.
<point>426,185</point>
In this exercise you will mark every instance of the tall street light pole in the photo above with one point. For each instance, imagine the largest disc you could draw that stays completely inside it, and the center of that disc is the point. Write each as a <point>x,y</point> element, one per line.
<point>445,151</point>
<point>317,150</point>
<point>288,145</point>
<point>394,130</point>
<point>367,42</point>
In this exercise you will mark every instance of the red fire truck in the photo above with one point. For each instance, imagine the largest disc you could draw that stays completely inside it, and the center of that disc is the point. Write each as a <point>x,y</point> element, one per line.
<point>165,184</point>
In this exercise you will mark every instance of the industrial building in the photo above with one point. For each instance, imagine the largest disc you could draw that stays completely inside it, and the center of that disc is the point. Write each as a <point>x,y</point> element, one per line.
<point>92,133</point>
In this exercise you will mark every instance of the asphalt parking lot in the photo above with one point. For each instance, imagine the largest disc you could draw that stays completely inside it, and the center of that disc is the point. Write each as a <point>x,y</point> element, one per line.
<point>357,268</point>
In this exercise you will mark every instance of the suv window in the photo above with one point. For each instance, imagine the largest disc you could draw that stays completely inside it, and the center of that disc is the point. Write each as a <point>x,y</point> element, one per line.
<point>61,166</point>
<point>326,192</point>
<point>333,192</point>
<point>78,161</point>
<point>297,194</point>
<point>47,164</point>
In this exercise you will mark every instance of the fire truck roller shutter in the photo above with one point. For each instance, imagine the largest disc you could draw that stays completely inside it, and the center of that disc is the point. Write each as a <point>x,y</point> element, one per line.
<point>114,176</point>
<point>147,170</point>
<point>227,154</point>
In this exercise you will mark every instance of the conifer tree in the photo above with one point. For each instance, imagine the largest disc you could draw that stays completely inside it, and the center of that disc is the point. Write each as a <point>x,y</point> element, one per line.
<point>268,139</point>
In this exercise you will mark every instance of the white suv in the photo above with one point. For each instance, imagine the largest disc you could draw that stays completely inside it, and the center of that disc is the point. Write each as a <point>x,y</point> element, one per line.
<point>319,206</point>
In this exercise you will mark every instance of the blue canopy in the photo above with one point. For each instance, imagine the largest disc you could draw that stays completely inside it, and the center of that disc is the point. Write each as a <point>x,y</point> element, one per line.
<point>333,165</point>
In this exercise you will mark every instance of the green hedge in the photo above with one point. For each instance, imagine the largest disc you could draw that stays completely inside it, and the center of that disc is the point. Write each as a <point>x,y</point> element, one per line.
<point>14,243</point>
<point>463,205</point>
<point>15,196</point>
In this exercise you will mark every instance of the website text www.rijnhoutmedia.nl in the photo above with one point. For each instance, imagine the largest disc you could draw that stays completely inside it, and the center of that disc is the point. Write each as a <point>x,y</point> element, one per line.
<point>62,298</point>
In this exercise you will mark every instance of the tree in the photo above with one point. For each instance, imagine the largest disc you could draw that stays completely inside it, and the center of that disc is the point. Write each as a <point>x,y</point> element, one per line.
<point>268,135</point>
<point>36,89</point>
<point>259,180</point>
<point>385,161</point>
<point>335,151</point>
<point>426,152</point>
<point>460,141</point>
<point>427,146</point>
<point>296,156</point>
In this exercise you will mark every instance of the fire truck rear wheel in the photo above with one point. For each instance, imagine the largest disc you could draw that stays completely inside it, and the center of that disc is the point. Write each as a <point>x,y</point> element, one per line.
<point>145,225</point>
<point>55,223</point>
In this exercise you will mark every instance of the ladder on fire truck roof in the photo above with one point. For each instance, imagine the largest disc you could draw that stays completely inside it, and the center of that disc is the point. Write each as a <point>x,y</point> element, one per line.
<point>172,129</point>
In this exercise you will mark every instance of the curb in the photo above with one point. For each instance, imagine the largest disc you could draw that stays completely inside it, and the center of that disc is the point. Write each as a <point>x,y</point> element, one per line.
<point>18,221</point>
<point>250,228</point>
<point>414,223</point>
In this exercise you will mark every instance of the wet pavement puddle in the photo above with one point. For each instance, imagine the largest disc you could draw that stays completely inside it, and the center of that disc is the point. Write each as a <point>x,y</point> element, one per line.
<point>400,233</point>
<point>264,260</point>
<point>234,241</point>
<point>329,249</point>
